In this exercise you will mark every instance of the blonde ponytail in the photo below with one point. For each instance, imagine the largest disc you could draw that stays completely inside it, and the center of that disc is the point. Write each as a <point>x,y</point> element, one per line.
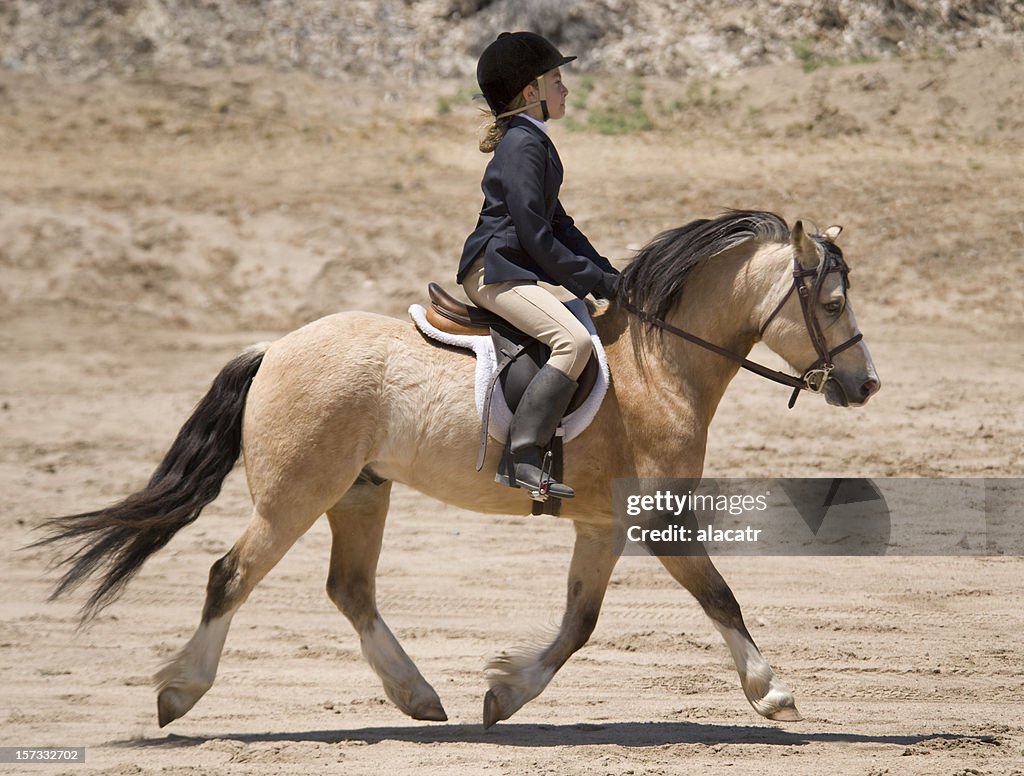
<point>494,131</point>
<point>495,128</point>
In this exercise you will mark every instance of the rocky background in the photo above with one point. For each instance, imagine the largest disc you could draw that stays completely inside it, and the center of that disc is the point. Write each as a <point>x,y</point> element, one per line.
<point>420,39</point>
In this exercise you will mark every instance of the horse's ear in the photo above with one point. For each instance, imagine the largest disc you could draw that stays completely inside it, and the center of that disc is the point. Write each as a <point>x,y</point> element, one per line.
<point>804,247</point>
<point>832,232</point>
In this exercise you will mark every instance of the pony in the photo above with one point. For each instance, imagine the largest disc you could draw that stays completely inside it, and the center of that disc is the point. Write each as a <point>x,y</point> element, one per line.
<point>327,417</point>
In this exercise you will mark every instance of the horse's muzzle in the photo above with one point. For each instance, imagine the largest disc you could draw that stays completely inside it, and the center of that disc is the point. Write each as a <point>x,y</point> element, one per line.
<point>839,392</point>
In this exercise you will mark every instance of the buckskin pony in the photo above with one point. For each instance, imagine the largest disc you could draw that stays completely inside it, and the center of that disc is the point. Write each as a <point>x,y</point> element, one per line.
<point>330,415</point>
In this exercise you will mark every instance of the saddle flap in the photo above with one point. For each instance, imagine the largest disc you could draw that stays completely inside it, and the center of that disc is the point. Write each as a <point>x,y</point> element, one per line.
<point>534,355</point>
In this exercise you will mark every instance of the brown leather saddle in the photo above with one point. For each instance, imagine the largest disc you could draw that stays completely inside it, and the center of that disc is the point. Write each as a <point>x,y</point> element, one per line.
<point>455,317</point>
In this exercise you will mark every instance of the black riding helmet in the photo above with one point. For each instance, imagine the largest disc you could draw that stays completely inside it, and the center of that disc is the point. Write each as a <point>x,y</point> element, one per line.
<point>510,63</point>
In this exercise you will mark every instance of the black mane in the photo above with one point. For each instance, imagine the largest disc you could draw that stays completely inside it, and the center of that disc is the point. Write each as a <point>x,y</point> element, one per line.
<point>655,278</point>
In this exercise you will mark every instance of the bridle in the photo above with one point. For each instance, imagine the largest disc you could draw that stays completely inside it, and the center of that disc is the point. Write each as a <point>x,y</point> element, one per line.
<point>817,374</point>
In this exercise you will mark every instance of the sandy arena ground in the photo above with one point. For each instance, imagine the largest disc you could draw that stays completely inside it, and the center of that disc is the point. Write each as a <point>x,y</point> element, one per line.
<point>153,228</point>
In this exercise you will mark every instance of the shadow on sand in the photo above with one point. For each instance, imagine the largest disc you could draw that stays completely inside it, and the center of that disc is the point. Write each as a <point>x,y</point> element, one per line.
<point>633,734</point>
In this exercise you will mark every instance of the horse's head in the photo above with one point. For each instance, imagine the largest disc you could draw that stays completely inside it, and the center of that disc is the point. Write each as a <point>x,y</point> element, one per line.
<point>812,325</point>
<point>763,281</point>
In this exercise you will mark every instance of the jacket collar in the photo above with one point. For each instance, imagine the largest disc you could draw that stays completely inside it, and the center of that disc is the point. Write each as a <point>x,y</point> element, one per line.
<point>538,124</point>
<point>522,121</point>
<point>519,121</point>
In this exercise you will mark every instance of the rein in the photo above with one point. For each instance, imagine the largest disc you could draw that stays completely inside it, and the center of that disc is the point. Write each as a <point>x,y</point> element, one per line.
<point>814,377</point>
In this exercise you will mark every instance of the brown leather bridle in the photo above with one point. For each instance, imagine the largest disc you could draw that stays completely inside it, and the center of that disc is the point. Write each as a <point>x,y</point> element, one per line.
<point>817,374</point>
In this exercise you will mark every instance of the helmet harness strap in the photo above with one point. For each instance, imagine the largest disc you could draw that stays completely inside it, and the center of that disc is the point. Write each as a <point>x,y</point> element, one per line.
<point>542,88</point>
<point>543,102</point>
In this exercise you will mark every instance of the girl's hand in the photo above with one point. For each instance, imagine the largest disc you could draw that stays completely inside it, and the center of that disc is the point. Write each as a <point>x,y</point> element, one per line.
<point>607,287</point>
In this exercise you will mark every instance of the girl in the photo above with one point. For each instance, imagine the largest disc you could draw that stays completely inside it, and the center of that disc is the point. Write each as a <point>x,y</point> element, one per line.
<point>524,236</point>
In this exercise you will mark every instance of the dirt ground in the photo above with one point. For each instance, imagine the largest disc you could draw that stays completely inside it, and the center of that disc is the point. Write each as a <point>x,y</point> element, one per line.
<point>152,228</point>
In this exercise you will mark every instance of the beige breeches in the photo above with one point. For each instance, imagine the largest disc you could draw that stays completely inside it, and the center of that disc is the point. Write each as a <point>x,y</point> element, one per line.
<point>534,310</point>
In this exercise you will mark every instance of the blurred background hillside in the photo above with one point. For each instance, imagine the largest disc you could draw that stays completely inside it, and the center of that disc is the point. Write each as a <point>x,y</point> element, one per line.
<point>419,39</point>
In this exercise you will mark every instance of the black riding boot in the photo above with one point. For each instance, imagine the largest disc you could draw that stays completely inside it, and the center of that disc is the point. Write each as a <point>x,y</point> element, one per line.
<point>534,423</point>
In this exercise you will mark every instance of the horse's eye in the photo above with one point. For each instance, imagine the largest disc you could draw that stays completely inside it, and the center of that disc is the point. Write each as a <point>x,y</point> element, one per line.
<point>833,308</point>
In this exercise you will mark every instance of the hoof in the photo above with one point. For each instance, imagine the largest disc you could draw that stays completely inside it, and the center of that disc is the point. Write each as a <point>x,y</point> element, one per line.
<point>171,704</point>
<point>433,712</point>
<point>419,702</point>
<point>492,710</point>
<point>778,705</point>
<point>786,715</point>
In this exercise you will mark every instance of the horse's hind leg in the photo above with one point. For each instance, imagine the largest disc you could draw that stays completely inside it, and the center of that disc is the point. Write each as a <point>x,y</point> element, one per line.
<point>517,678</point>
<point>357,525</point>
<point>186,678</point>
<point>769,697</point>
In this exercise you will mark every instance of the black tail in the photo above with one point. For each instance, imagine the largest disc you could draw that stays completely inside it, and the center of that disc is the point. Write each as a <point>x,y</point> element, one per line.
<point>116,541</point>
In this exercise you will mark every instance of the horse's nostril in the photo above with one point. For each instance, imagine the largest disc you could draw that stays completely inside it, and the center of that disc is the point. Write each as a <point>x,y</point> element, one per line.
<point>869,387</point>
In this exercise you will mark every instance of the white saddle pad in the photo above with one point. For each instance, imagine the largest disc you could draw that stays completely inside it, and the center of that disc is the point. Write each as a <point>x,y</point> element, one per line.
<point>486,363</point>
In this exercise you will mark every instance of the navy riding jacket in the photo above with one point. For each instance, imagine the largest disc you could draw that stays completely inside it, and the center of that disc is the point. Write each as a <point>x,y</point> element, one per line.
<point>523,230</point>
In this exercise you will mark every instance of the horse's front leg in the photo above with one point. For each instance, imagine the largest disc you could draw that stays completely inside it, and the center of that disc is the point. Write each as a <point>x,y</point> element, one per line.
<point>520,677</point>
<point>769,697</point>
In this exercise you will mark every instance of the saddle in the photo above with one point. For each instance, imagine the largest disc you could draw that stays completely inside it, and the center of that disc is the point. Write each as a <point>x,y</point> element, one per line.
<point>455,317</point>
<point>519,358</point>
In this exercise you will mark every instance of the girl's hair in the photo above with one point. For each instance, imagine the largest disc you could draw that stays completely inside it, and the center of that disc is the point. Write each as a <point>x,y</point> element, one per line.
<point>495,128</point>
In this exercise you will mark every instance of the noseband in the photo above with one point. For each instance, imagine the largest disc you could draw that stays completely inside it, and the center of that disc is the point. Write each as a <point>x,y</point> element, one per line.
<point>817,374</point>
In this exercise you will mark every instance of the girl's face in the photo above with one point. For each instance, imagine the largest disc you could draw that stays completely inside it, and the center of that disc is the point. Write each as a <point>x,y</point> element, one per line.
<point>555,92</point>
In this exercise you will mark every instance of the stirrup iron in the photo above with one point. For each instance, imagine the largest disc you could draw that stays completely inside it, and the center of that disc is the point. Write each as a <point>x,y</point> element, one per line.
<point>540,493</point>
